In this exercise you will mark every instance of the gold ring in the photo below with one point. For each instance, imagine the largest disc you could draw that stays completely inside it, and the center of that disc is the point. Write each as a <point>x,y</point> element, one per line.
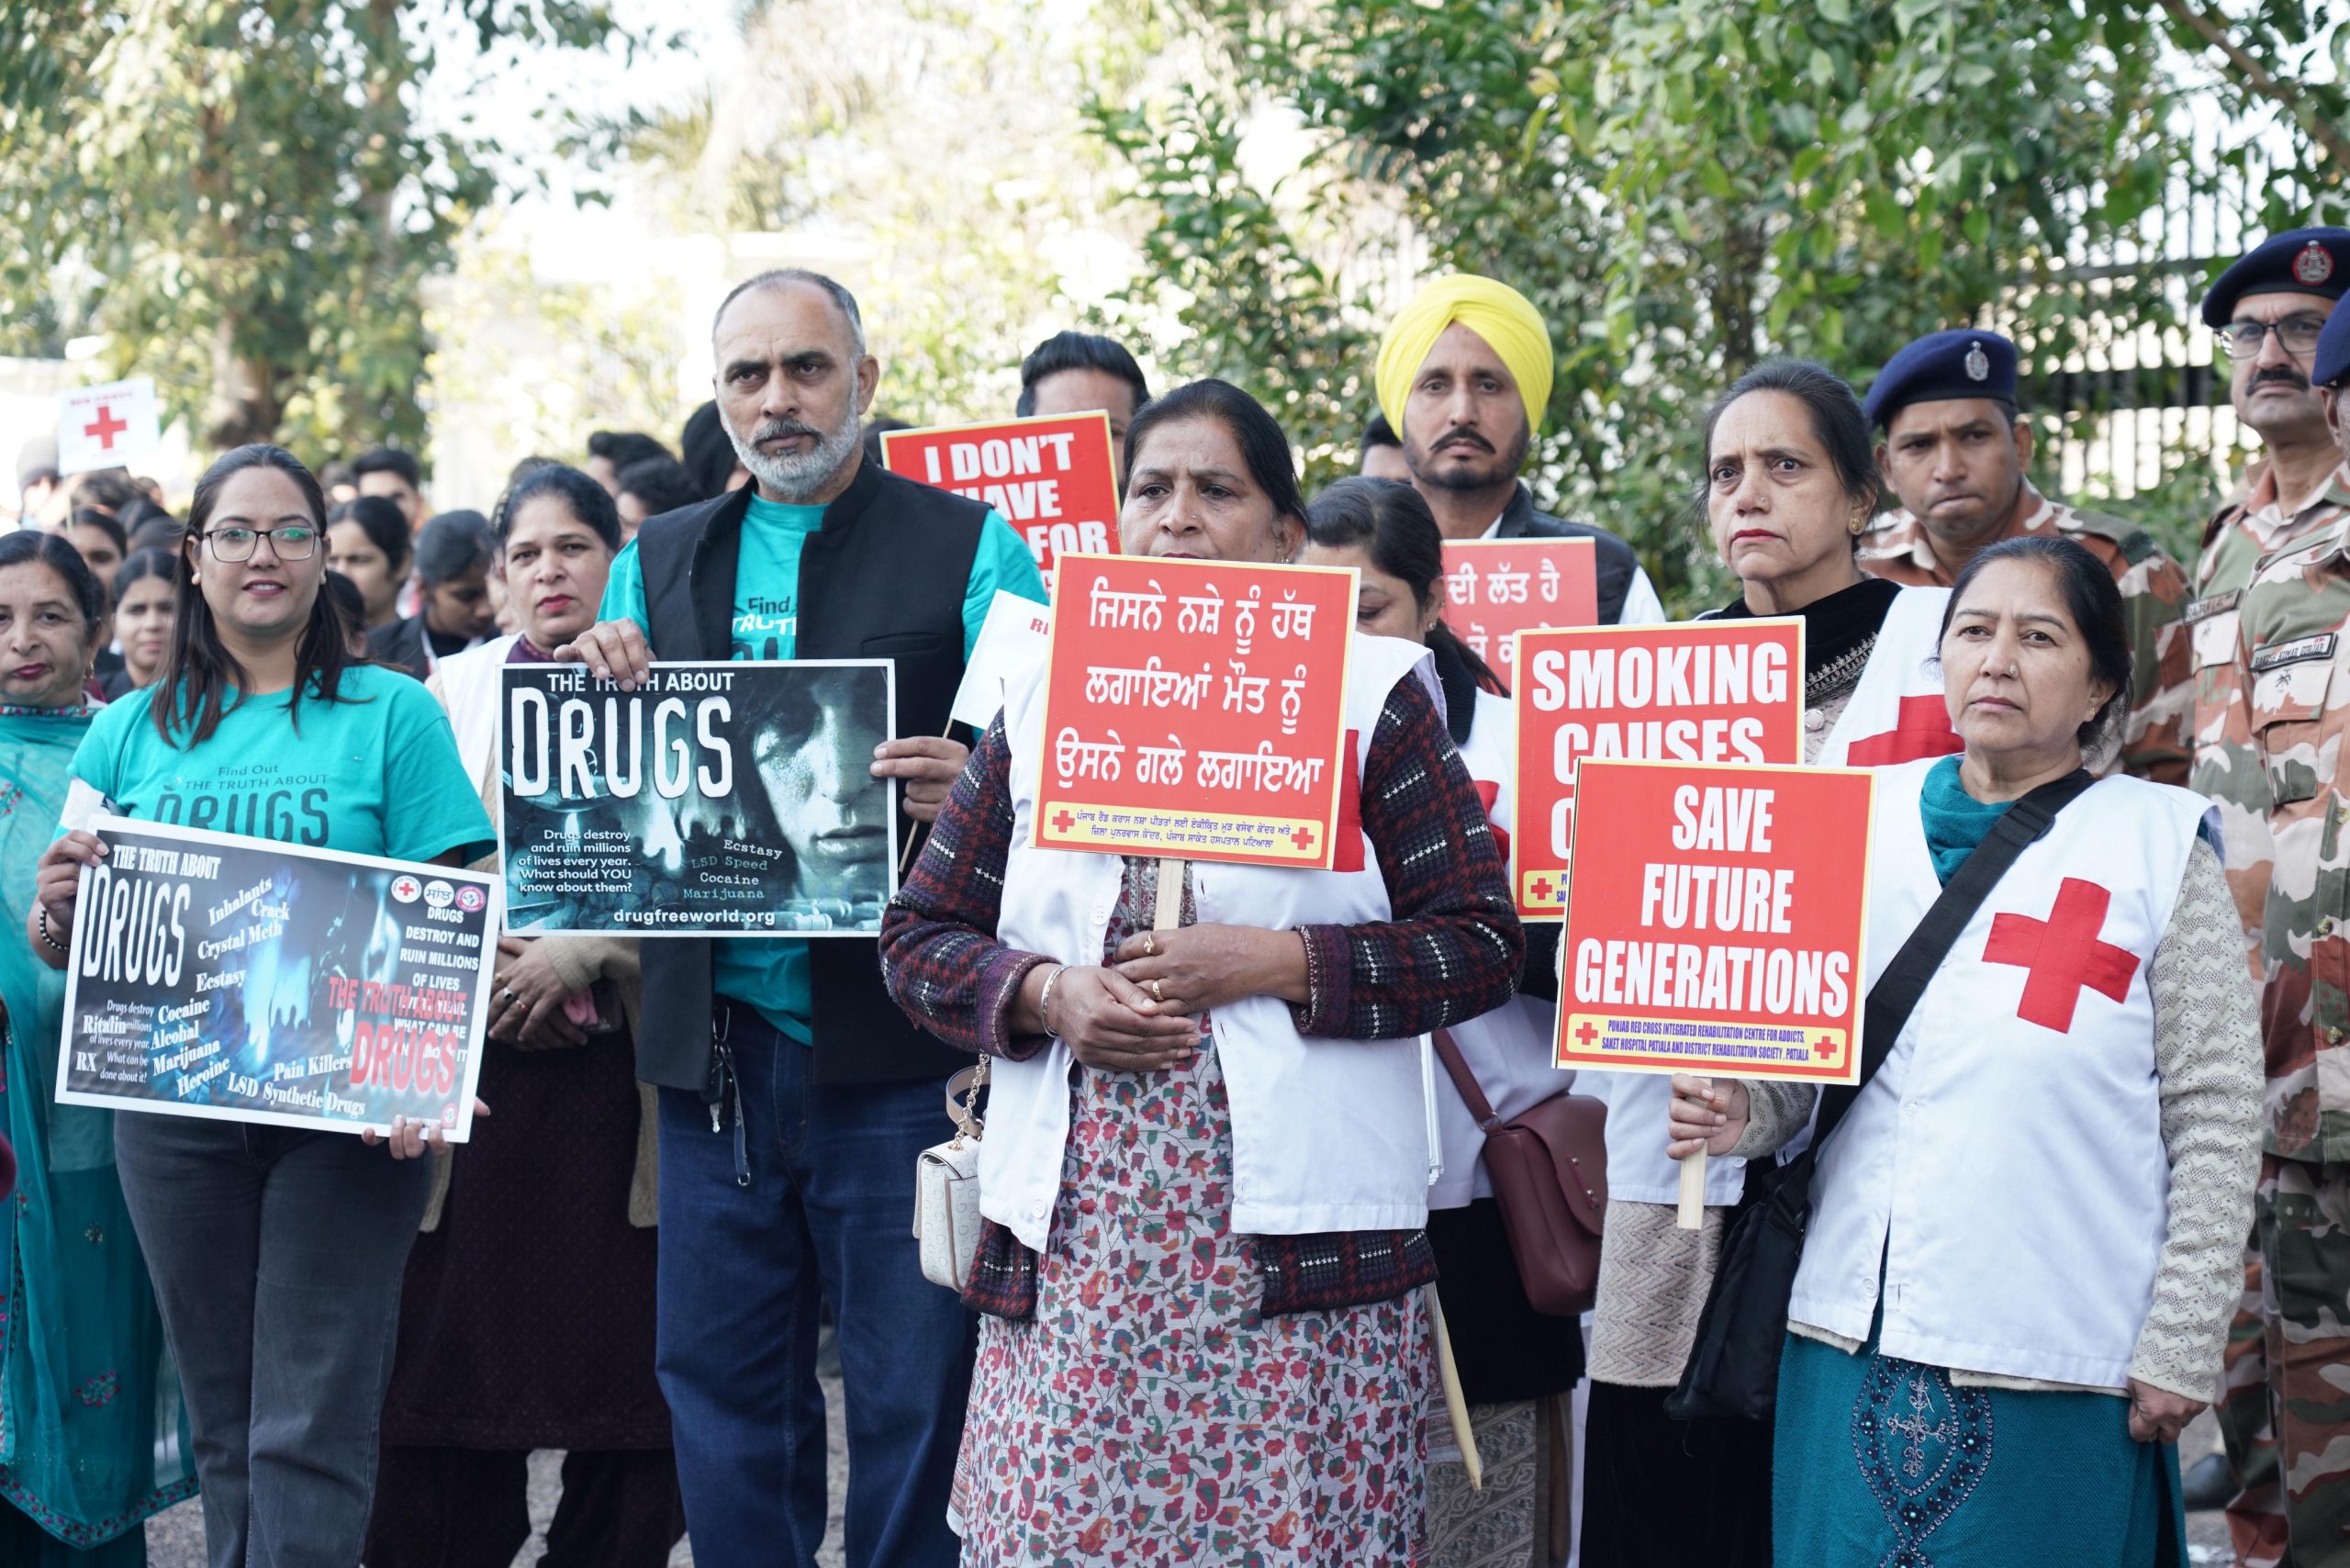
<point>1155,993</point>
<point>1149,943</point>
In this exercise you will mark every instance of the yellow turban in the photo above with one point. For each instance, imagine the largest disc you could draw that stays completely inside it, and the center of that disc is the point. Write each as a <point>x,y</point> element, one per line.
<point>1495,312</point>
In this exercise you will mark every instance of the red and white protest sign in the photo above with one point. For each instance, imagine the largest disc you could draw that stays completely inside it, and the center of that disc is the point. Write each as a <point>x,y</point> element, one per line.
<point>1051,477</point>
<point>1718,921</point>
<point>109,426</point>
<point>1196,709</point>
<point>1695,691</point>
<point>1494,588</point>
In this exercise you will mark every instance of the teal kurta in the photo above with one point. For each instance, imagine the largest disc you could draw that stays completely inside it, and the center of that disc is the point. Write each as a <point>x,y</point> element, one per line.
<point>86,1381</point>
<point>1878,1461</point>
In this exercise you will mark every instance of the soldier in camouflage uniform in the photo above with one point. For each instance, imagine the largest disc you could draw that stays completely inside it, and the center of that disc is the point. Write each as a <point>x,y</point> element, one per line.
<point>2287,718</point>
<point>2265,315</point>
<point>1956,454</point>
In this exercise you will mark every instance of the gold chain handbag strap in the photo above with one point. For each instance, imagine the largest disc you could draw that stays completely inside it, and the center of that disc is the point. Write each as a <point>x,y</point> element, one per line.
<point>968,1084</point>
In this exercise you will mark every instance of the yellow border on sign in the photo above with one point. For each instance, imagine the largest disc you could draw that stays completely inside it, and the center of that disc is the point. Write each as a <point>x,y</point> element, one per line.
<point>1860,947</point>
<point>1346,690</point>
<point>1517,726</point>
<point>1109,448</point>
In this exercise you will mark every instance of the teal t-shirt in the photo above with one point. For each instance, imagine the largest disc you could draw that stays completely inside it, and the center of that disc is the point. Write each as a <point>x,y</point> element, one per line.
<point>374,773</point>
<point>771,972</point>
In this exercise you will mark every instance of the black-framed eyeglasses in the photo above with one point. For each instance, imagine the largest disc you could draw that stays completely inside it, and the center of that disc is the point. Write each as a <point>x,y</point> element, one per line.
<point>2297,333</point>
<point>295,542</point>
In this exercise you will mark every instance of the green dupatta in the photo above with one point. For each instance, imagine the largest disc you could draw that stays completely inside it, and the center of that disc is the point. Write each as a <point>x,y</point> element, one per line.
<point>87,1386</point>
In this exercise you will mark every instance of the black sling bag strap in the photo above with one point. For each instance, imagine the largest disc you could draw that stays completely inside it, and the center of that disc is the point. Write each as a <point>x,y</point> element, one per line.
<point>1733,1367</point>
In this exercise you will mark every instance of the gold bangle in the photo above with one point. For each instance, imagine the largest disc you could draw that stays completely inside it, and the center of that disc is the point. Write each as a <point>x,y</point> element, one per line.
<point>1044,1002</point>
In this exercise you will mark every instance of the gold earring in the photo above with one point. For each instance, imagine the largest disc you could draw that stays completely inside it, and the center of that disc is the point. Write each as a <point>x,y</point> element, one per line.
<point>1858,525</point>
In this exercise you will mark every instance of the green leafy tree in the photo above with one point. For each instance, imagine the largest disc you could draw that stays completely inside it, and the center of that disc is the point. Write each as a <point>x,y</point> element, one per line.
<point>245,198</point>
<point>1684,187</point>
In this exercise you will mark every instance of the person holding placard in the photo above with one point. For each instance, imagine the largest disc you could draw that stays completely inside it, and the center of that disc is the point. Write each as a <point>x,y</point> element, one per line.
<point>2024,1238</point>
<point>84,1391</point>
<point>1516,1365</point>
<point>1178,1365</point>
<point>526,1321</point>
<point>1789,488</point>
<point>276,1252</point>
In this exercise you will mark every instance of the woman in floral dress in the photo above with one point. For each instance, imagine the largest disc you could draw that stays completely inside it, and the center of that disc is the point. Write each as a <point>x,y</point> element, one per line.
<point>1205,1173</point>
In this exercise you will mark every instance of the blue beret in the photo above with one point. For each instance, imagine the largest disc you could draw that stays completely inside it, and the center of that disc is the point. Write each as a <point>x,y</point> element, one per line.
<point>2299,260</point>
<point>2332,367</point>
<point>1940,365</point>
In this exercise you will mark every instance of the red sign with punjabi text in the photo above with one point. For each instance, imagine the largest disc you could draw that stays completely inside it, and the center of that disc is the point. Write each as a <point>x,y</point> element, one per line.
<point>1718,921</point>
<point>1494,588</point>
<point>1051,477</point>
<point>1694,691</point>
<point>1195,709</point>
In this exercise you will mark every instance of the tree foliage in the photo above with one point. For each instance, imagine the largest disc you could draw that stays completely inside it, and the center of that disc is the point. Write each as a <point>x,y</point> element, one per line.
<point>244,199</point>
<point>1684,186</point>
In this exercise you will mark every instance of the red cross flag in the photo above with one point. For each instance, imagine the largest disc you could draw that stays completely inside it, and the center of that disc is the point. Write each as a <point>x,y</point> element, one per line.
<point>1195,709</point>
<point>1494,588</point>
<point>1698,691</point>
<point>112,426</point>
<point>1051,477</point>
<point>1716,921</point>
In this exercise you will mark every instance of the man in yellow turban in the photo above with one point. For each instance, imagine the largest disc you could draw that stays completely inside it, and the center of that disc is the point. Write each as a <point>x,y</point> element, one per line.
<point>1464,377</point>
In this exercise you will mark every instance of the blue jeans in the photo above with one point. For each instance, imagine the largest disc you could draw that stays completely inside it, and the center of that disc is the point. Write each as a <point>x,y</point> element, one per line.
<point>277,1254</point>
<point>811,1197</point>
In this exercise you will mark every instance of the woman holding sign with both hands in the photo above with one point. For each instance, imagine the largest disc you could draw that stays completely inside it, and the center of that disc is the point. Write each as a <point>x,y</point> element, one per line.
<point>276,1252</point>
<point>1789,485</point>
<point>1174,1362</point>
<point>2025,1229</point>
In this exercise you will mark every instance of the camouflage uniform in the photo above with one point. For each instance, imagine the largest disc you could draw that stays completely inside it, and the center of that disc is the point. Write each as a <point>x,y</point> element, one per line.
<point>2251,526</point>
<point>2287,717</point>
<point>2154,592</point>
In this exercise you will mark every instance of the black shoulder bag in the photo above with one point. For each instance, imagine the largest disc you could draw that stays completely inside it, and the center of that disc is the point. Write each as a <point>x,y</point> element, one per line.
<point>1733,1368</point>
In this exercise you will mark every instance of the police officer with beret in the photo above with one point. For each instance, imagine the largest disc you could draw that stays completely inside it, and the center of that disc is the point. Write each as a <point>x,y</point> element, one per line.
<point>1956,454</point>
<point>2269,309</point>
<point>2289,720</point>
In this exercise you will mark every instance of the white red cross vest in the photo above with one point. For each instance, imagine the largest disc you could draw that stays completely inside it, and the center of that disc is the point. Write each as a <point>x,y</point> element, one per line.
<point>1895,714</point>
<point>1326,1135</point>
<point>2005,1168</point>
<point>1508,1049</point>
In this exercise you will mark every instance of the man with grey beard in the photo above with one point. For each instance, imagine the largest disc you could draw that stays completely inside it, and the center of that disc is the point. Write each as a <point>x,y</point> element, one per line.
<point>794,1098</point>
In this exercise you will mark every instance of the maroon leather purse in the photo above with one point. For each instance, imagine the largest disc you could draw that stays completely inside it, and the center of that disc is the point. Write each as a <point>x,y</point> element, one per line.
<point>1549,1166</point>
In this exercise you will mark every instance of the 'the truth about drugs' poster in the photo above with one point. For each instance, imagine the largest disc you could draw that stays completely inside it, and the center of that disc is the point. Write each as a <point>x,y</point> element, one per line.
<point>246,979</point>
<point>718,800</point>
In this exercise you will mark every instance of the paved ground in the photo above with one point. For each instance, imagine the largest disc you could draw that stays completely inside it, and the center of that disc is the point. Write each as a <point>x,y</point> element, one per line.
<point>175,1539</point>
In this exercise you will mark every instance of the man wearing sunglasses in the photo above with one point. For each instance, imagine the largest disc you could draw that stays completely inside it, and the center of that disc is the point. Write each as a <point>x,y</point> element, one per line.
<point>2269,607</point>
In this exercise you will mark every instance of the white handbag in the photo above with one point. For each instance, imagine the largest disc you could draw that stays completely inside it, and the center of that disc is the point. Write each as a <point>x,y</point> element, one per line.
<point>947,1188</point>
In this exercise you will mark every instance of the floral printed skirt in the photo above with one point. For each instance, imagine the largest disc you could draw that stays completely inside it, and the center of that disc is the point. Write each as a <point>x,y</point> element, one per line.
<point>1147,1413</point>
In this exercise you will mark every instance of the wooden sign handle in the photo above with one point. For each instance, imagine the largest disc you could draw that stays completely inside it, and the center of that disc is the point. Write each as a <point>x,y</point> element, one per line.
<point>1168,913</point>
<point>1693,1191</point>
<point>1456,1403</point>
<point>914,834</point>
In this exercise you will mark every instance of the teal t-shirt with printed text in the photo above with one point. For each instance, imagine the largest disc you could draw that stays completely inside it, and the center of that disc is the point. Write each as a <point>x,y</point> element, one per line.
<point>770,973</point>
<point>374,772</point>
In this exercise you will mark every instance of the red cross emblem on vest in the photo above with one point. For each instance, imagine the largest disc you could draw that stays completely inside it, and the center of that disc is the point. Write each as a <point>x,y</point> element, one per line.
<point>2062,954</point>
<point>1920,728</point>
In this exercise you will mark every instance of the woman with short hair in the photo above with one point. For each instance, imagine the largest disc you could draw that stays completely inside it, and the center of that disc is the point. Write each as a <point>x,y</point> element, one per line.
<point>86,1396</point>
<point>1517,1366</point>
<point>1156,1384</point>
<point>2025,1236</point>
<point>276,1252</point>
<point>526,1321</point>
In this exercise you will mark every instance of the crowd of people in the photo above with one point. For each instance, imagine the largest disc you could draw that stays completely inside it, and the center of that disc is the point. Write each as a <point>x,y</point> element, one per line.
<point>2093,1179</point>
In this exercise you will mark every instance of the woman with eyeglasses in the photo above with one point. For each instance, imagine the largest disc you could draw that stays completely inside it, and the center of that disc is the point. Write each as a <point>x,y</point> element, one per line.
<point>276,1252</point>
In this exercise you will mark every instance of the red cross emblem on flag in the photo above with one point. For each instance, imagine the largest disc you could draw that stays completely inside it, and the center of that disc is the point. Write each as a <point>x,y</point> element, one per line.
<point>1920,728</point>
<point>2062,954</point>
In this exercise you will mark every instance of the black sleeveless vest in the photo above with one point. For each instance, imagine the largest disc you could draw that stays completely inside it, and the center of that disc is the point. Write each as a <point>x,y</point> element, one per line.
<point>884,577</point>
